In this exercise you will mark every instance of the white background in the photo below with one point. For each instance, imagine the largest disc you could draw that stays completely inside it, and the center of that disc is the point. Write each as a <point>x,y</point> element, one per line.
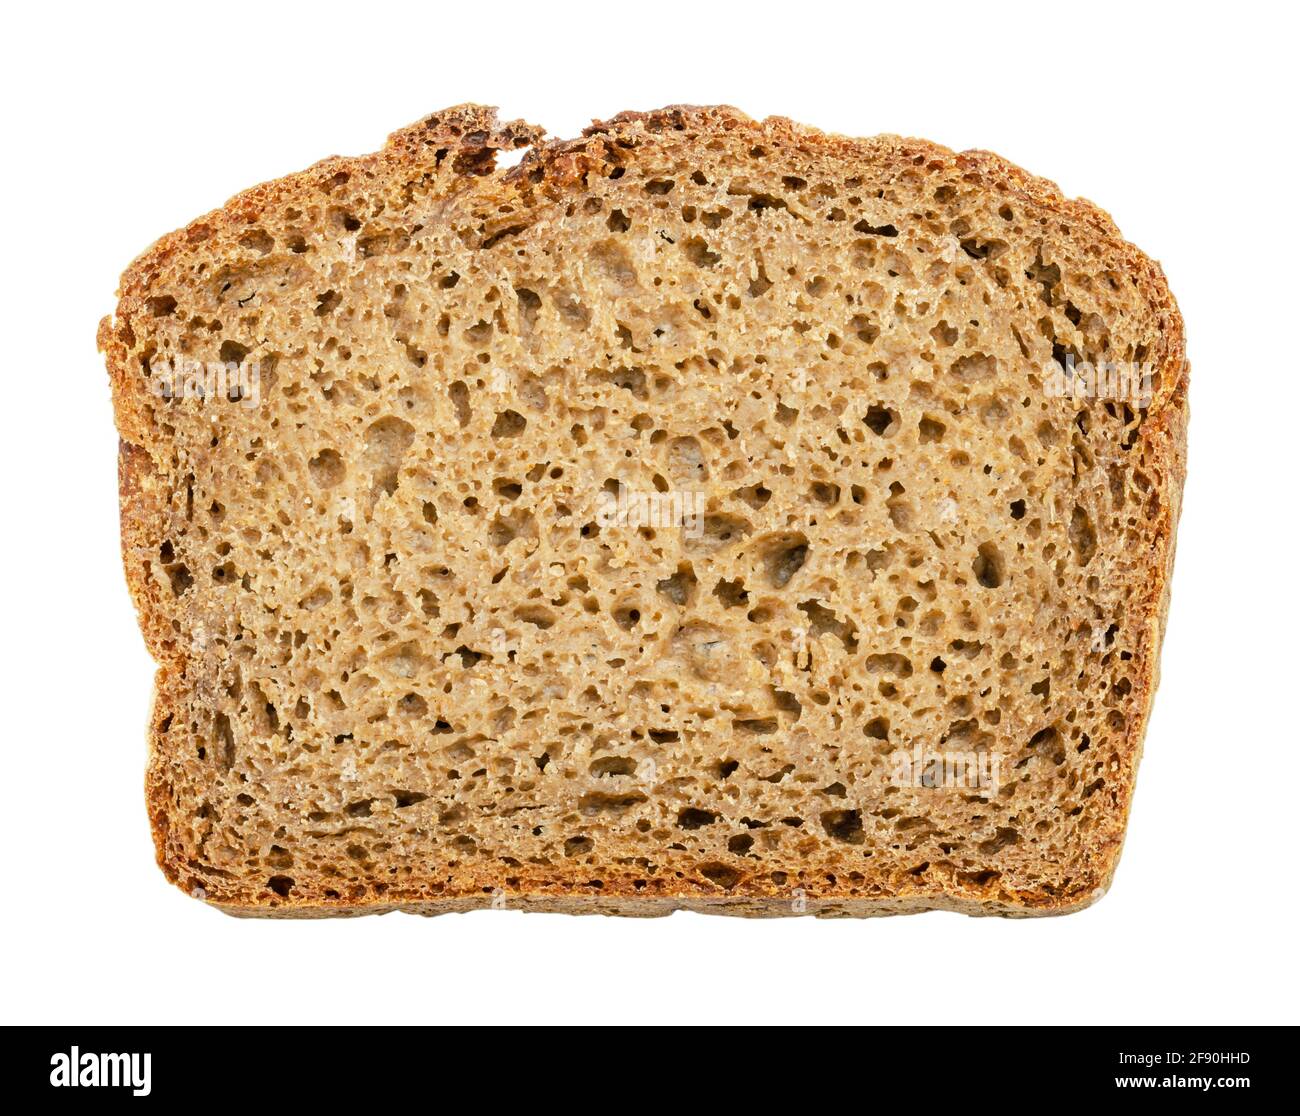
<point>123,122</point>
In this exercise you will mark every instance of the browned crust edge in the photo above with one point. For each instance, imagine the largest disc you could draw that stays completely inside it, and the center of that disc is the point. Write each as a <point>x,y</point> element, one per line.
<point>472,131</point>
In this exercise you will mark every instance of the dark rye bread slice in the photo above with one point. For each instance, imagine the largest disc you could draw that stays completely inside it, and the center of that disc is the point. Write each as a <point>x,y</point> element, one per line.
<point>655,524</point>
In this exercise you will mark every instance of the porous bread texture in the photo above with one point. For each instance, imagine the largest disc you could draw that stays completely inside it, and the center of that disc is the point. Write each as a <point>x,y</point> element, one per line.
<point>405,662</point>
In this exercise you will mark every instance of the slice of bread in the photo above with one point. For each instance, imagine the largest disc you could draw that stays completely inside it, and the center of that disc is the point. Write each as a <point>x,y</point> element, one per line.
<point>703,513</point>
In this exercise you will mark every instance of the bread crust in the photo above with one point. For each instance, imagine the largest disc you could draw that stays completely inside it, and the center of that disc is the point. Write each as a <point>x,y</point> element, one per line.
<point>458,144</point>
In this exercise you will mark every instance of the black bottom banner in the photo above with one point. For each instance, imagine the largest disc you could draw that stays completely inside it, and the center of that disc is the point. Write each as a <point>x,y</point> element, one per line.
<point>342,1064</point>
